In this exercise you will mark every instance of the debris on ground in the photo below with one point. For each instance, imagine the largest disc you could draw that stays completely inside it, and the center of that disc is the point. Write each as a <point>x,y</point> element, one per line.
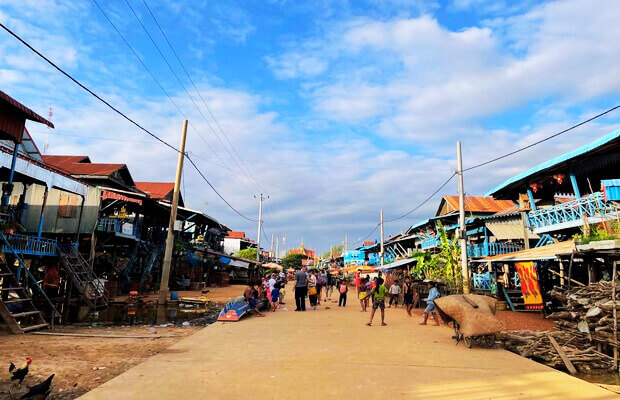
<point>583,341</point>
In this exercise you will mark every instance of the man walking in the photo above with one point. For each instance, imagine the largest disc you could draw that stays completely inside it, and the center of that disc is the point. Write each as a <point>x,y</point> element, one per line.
<point>301,289</point>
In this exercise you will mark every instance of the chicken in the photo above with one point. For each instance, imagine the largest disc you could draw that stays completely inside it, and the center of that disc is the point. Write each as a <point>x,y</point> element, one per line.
<point>21,372</point>
<point>40,391</point>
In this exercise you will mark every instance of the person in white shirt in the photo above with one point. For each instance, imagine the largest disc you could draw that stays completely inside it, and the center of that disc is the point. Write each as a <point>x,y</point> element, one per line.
<point>271,283</point>
<point>394,292</point>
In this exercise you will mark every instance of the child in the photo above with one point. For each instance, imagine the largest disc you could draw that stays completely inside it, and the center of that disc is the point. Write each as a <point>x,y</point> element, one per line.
<point>343,289</point>
<point>275,294</point>
<point>394,293</point>
<point>379,292</point>
<point>408,294</point>
<point>433,294</point>
<point>250,294</point>
<point>362,294</point>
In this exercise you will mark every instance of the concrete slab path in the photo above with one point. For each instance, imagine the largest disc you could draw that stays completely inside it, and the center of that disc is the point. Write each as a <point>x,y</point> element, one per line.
<point>330,354</point>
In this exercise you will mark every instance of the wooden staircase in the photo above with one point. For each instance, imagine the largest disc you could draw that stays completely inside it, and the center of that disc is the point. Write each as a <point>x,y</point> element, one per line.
<point>16,306</point>
<point>83,277</point>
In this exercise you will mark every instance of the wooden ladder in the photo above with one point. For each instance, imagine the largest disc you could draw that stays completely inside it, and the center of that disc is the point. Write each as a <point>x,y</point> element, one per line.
<point>16,306</point>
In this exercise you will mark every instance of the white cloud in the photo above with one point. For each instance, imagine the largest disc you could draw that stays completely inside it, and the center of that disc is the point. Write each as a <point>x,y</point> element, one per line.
<point>294,65</point>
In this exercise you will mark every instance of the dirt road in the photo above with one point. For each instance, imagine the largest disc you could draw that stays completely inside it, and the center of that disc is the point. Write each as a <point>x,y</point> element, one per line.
<point>330,353</point>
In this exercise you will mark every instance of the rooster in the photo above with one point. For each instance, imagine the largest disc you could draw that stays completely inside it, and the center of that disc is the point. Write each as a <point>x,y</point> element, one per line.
<point>18,374</point>
<point>40,391</point>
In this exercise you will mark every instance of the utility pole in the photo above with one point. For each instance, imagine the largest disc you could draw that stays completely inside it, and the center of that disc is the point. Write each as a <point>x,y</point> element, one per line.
<point>260,224</point>
<point>165,269</point>
<point>277,247</point>
<point>381,223</point>
<point>346,242</point>
<point>271,249</point>
<point>462,229</point>
<point>284,244</point>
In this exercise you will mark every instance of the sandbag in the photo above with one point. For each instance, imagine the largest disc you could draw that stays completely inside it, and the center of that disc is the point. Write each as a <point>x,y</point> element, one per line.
<point>473,321</point>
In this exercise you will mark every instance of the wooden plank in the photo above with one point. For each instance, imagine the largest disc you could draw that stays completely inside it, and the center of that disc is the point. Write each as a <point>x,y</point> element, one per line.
<point>569,365</point>
<point>9,320</point>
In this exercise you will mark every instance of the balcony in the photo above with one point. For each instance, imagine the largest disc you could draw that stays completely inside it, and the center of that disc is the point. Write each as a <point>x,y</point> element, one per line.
<point>571,214</point>
<point>30,245</point>
<point>430,243</point>
<point>491,249</point>
<point>119,227</point>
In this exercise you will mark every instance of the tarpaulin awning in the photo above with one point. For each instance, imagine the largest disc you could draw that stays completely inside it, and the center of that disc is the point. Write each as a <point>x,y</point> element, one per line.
<point>395,264</point>
<point>272,266</point>
<point>240,264</point>
<point>110,194</point>
<point>509,230</point>
<point>549,252</point>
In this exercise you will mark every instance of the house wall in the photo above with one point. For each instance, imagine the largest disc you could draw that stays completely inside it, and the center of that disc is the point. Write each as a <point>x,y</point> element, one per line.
<point>231,246</point>
<point>54,221</point>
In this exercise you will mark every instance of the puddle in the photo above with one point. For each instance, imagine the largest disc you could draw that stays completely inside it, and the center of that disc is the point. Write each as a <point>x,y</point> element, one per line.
<point>149,314</point>
<point>606,379</point>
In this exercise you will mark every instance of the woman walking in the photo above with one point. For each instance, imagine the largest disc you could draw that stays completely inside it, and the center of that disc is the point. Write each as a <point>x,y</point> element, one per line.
<point>312,289</point>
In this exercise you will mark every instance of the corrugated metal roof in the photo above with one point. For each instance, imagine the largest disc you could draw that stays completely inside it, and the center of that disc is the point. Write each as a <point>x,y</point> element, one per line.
<point>27,113</point>
<point>509,230</point>
<point>81,165</point>
<point>156,190</point>
<point>61,161</point>
<point>558,160</point>
<point>479,204</point>
<point>235,235</point>
<point>549,252</point>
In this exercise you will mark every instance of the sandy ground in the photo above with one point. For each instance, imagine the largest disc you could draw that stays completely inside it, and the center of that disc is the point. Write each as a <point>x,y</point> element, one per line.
<point>331,353</point>
<point>81,364</point>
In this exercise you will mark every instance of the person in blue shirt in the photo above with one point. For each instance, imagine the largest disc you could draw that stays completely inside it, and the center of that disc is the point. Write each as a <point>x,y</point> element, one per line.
<point>433,294</point>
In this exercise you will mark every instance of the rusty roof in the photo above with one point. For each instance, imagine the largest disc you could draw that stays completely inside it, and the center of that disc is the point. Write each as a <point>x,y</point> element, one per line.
<point>156,190</point>
<point>478,204</point>
<point>81,165</point>
<point>235,235</point>
<point>23,110</point>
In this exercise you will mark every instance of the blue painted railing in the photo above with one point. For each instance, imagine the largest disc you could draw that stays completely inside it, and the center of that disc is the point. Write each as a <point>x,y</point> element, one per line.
<point>115,225</point>
<point>430,242</point>
<point>30,245</point>
<point>482,281</point>
<point>591,206</point>
<point>491,249</point>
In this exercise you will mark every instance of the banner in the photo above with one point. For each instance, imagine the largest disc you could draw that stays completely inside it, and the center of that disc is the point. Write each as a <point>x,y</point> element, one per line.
<point>530,288</point>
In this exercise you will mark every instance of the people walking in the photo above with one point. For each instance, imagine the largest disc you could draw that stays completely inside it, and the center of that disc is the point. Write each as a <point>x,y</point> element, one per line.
<point>343,289</point>
<point>433,294</point>
<point>330,286</point>
<point>312,289</point>
<point>408,295</point>
<point>379,292</point>
<point>301,289</point>
<point>362,294</point>
<point>394,294</point>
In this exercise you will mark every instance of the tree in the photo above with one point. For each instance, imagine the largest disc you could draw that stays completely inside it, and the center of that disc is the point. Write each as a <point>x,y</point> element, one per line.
<point>292,261</point>
<point>248,254</point>
<point>336,250</point>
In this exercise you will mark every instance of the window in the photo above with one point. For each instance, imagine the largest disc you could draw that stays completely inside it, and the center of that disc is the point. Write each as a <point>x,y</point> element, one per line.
<point>67,206</point>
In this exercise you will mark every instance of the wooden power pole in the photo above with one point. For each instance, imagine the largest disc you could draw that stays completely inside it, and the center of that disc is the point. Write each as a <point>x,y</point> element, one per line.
<point>165,269</point>
<point>381,223</point>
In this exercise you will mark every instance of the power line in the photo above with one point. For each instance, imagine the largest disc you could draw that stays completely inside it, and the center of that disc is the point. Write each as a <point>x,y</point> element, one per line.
<point>424,201</point>
<point>144,28</point>
<point>543,140</point>
<point>361,239</point>
<point>150,72</point>
<point>116,110</point>
<point>178,58</point>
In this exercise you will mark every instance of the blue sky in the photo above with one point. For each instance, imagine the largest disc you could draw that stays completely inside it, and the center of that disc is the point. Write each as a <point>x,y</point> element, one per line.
<point>337,108</point>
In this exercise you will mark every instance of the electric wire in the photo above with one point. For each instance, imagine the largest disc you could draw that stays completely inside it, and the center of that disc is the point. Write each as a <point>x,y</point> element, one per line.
<point>119,112</point>
<point>144,28</point>
<point>543,140</point>
<point>152,75</point>
<point>178,58</point>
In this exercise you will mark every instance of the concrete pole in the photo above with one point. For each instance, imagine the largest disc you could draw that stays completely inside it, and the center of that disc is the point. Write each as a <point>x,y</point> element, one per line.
<point>260,221</point>
<point>165,269</point>
<point>381,223</point>
<point>463,229</point>
<point>277,247</point>
<point>346,242</point>
<point>271,255</point>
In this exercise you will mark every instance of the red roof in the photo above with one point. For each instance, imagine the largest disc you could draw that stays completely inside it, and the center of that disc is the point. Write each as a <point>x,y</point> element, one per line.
<point>156,190</point>
<point>369,243</point>
<point>478,204</point>
<point>22,109</point>
<point>235,235</point>
<point>81,165</point>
